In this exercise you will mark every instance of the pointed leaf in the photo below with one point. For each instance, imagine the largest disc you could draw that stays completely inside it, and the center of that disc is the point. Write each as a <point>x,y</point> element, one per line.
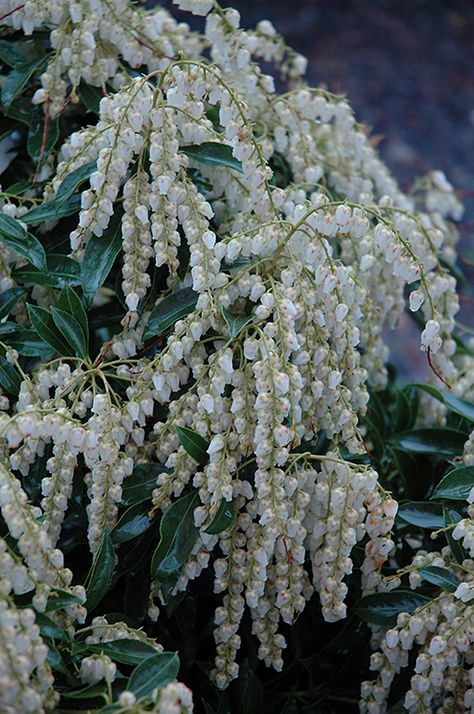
<point>195,444</point>
<point>15,82</point>
<point>423,514</point>
<point>50,629</point>
<point>140,485</point>
<point>99,256</point>
<point>135,521</point>
<point>442,577</point>
<point>236,323</point>
<point>169,310</point>
<point>70,302</point>
<point>455,546</point>
<point>60,270</point>
<point>10,378</point>
<point>223,519</point>
<point>452,402</point>
<point>27,343</point>
<point>53,210</point>
<point>14,236</point>
<point>437,442</point>
<point>8,300</point>
<point>177,537</point>
<point>71,330</point>
<point>99,578</point>
<point>10,53</point>
<point>384,608</point>
<point>155,671</point>
<point>73,180</point>
<point>60,599</point>
<point>43,324</point>
<point>211,153</point>
<point>124,650</point>
<point>456,484</point>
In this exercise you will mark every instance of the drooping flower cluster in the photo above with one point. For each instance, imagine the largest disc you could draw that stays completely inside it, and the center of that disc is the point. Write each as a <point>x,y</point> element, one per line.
<point>264,247</point>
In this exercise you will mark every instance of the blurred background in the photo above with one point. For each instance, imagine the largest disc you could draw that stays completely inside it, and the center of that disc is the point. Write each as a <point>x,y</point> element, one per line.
<point>407,68</point>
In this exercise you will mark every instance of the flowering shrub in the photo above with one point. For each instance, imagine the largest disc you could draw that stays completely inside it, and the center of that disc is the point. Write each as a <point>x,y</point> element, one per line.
<point>196,272</point>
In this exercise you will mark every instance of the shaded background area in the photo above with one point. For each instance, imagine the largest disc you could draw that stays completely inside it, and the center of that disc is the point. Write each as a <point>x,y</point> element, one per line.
<point>407,68</point>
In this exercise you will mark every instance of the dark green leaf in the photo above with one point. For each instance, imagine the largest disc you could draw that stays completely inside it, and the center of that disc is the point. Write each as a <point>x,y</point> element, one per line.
<point>43,324</point>
<point>60,271</point>
<point>75,179</point>
<point>7,327</point>
<point>450,518</point>
<point>60,599</point>
<point>27,343</point>
<point>223,519</point>
<point>50,629</point>
<point>99,256</point>
<point>70,302</point>
<point>195,444</point>
<point>124,650</point>
<point>384,608</point>
<point>155,671</point>
<point>10,53</point>
<point>453,403</point>
<point>212,153</point>
<point>456,485</point>
<point>140,485</point>
<point>169,310</point>
<point>53,210</point>
<point>94,691</point>
<point>250,690</point>
<point>41,143</point>
<point>133,522</point>
<point>10,378</point>
<point>177,537</point>
<point>90,97</point>
<point>15,82</point>
<point>442,577</point>
<point>99,578</point>
<point>8,300</point>
<point>15,236</point>
<point>423,514</point>
<point>235,323</point>
<point>437,442</point>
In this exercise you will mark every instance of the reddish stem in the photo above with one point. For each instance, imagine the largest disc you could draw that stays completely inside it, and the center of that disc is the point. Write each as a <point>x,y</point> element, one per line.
<point>433,369</point>
<point>101,357</point>
<point>43,140</point>
<point>10,12</point>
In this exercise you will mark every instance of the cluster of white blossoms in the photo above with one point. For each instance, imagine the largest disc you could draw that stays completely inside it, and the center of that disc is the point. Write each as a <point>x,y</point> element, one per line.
<point>275,212</point>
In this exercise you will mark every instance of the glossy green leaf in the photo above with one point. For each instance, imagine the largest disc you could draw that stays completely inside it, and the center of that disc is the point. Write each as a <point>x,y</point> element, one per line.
<point>124,650</point>
<point>16,81</point>
<point>99,256</point>
<point>442,577</point>
<point>422,514</point>
<point>384,608</point>
<point>53,210</point>
<point>70,302</point>
<point>169,310</point>
<point>50,629</point>
<point>450,518</point>
<point>60,270</point>
<point>27,343</point>
<point>90,97</point>
<point>195,444</point>
<point>83,694</point>
<point>456,484</point>
<point>10,53</point>
<point>135,521</point>
<point>211,153</point>
<point>156,671</point>
<point>7,327</point>
<point>453,403</point>
<point>71,330</point>
<point>140,485</point>
<point>223,518</point>
<point>437,442</point>
<point>40,142</point>
<point>60,599</point>
<point>8,300</point>
<point>73,180</point>
<point>43,324</point>
<point>10,378</point>
<point>99,578</point>
<point>177,537</point>
<point>236,323</point>
<point>14,236</point>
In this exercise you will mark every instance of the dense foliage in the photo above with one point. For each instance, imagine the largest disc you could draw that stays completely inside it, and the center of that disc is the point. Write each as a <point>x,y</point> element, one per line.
<point>212,485</point>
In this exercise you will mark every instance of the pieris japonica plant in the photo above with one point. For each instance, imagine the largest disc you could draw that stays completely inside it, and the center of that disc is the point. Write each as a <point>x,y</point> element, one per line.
<point>199,433</point>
